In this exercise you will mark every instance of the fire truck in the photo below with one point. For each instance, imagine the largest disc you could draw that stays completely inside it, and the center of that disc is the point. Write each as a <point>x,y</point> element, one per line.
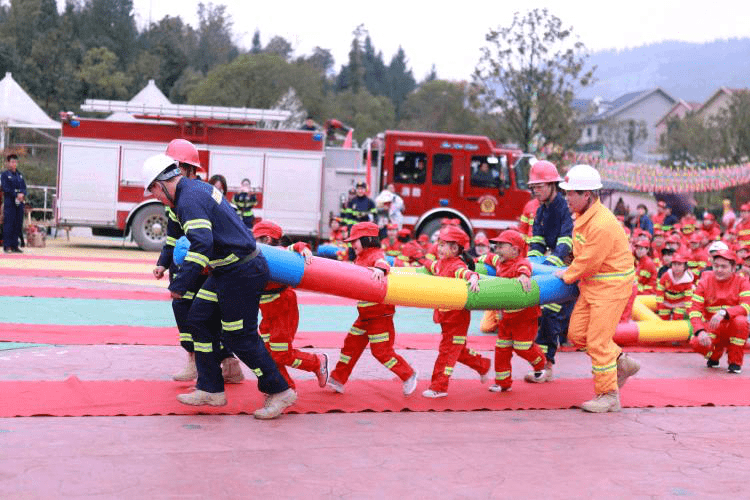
<point>298,180</point>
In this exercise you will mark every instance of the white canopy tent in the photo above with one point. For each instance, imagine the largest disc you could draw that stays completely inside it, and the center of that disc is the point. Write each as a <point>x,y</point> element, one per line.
<point>149,96</point>
<point>18,110</point>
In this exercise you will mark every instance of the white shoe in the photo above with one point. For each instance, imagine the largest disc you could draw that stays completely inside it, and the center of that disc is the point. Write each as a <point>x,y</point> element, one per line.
<point>190,372</point>
<point>336,385</point>
<point>429,393</point>
<point>275,404</point>
<point>538,377</point>
<point>232,371</point>
<point>201,398</point>
<point>603,403</point>
<point>497,388</point>
<point>410,384</point>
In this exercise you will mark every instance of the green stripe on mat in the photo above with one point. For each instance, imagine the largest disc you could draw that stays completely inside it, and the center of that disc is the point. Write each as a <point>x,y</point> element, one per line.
<point>7,346</point>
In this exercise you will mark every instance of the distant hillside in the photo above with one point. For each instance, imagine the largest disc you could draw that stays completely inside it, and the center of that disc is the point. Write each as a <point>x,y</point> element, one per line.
<point>690,71</point>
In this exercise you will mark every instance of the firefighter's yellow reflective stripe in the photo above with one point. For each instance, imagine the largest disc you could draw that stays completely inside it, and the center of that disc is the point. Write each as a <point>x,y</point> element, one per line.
<point>265,299</point>
<point>565,240</point>
<point>554,259</point>
<point>171,241</point>
<point>203,346</point>
<point>745,293</point>
<point>604,368</point>
<point>512,310</point>
<point>696,314</point>
<point>345,359</point>
<point>613,276</point>
<point>524,219</point>
<point>746,307</point>
<point>675,295</point>
<point>229,259</point>
<point>364,303</point>
<point>744,232</point>
<point>448,370</point>
<point>247,213</point>
<point>188,295</point>
<point>503,343</point>
<point>232,326</point>
<point>534,253</point>
<point>714,309</point>
<point>356,331</point>
<point>502,375</point>
<point>199,259</point>
<point>296,363</point>
<point>258,372</point>
<point>185,337</point>
<point>537,360</point>
<point>266,337</point>
<point>521,346</point>
<point>207,295</point>
<point>459,339</point>
<point>537,239</point>
<point>579,238</point>
<point>644,273</point>
<point>378,337</point>
<point>194,224</point>
<point>390,363</point>
<point>472,352</point>
<point>552,307</point>
<point>737,341</point>
<point>172,215</point>
<point>279,346</point>
<point>544,348</point>
<point>698,298</point>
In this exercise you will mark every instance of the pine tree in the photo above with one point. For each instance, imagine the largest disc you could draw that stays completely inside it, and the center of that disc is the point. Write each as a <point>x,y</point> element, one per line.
<point>400,79</point>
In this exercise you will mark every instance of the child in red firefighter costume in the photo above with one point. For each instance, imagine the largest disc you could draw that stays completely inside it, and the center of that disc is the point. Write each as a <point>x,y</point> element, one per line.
<point>675,289</point>
<point>645,269</point>
<point>278,305</point>
<point>452,262</point>
<point>698,255</point>
<point>517,328</point>
<point>391,244</point>
<point>374,325</point>
<point>719,310</point>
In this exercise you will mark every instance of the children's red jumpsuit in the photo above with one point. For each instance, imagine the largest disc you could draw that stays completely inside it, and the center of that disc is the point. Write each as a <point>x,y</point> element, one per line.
<point>453,325</point>
<point>374,325</point>
<point>698,260</point>
<point>517,329</point>
<point>647,274</point>
<point>392,248</point>
<point>711,296</point>
<point>673,295</point>
<point>278,305</point>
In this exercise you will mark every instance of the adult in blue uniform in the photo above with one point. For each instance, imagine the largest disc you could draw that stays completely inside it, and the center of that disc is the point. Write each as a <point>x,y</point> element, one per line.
<point>360,208</point>
<point>239,273</point>
<point>14,194</point>
<point>551,239</point>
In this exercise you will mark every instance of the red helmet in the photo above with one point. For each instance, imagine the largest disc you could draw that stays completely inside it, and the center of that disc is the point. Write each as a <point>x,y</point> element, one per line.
<point>362,229</point>
<point>542,172</point>
<point>391,226</point>
<point>423,238</point>
<point>184,152</point>
<point>726,254</point>
<point>404,233</point>
<point>267,228</point>
<point>481,239</point>
<point>643,244</point>
<point>681,257</point>
<point>513,238</point>
<point>455,235</point>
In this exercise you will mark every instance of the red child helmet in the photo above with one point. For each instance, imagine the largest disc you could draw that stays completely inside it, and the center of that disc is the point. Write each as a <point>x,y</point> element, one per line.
<point>362,229</point>
<point>513,238</point>
<point>267,228</point>
<point>453,234</point>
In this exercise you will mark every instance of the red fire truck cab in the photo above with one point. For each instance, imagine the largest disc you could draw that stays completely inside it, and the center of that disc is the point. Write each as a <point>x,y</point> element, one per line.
<point>454,176</point>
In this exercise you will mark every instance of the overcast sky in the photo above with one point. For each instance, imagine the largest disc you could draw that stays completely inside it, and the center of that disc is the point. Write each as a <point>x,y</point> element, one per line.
<point>450,34</point>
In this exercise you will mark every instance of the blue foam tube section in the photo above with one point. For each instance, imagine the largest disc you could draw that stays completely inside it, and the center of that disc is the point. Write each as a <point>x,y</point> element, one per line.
<point>285,267</point>
<point>327,251</point>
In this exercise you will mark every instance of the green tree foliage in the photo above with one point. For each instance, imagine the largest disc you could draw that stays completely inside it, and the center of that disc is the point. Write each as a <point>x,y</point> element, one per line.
<point>279,46</point>
<point>366,113</point>
<point>165,49</point>
<point>215,45</point>
<point>439,106</point>
<point>400,80</point>
<point>109,24</point>
<point>528,71</point>
<point>100,76</point>
<point>733,126</point>
<point>256,47</point>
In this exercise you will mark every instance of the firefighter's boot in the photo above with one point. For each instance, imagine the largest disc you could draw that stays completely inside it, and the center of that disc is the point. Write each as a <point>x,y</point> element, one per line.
<point>626,367</point>
<point>200,398</point>
<point>190,372</point>
<point>232,371</point>
<point>275,404</point>
<point>603,403</point>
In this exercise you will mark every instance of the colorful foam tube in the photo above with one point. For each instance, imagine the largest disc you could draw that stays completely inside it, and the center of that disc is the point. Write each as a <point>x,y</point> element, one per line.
<point>635,332</point>
<point>327,251</point>
<point>641,311</point>
<point>408,287</point>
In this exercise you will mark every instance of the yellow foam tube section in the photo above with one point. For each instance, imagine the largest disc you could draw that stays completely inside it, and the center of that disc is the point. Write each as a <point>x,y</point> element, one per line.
<point>663,331</point>
<point>641,311</point>
<point>421,290</point>
<point>648,301</point>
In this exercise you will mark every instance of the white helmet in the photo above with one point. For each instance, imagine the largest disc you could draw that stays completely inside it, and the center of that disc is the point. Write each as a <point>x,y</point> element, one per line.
<point>154,169</point>
<point>582,178</point>
<point>717,246</point>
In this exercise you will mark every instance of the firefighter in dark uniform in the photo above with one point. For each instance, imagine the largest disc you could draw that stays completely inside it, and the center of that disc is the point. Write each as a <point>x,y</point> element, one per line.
<point>239,273</point>
<point>245,201</point>
<point>186,154</point>
<point>14,194</point>
<point>360,208</point>
<point>552,231</point>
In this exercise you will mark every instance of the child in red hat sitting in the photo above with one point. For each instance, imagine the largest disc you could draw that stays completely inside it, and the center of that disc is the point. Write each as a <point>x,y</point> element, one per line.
<point>517,328</point>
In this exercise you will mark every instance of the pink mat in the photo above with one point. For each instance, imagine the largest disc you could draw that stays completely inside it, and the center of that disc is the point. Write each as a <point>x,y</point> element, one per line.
<point>74,397</point>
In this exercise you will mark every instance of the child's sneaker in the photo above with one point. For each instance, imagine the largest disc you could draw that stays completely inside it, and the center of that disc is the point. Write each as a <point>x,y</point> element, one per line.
<point>336,385</point>
<point>322,372</point>
<point>429,393</point>
<point>484,377</point>
<point>410,384</point>
<point>498,388</point>
<point>538,377</point>
<point>711,363</point>
<point>734,368</point>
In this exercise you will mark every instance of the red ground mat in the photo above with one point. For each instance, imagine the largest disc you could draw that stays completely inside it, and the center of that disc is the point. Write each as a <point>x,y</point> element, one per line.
<point>66,273</point>
<point>119,260</point>
<point>74,397</point>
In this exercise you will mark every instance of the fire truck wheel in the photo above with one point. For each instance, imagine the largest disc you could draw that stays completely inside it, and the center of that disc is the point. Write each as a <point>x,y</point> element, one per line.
<point>149,228</point>
<point>430,228</point>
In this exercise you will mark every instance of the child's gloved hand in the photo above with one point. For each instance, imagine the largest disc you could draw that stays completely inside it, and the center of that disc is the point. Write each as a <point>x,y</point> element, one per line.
<point>474,283</point>
<point>378,275</point>
<point>525,283</point>
<point>704,339</point>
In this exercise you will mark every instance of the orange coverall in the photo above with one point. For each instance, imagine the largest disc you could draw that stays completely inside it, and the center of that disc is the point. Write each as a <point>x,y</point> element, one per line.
<point>454,326</point>
<point>603,266</point>
<point>709,297</point>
